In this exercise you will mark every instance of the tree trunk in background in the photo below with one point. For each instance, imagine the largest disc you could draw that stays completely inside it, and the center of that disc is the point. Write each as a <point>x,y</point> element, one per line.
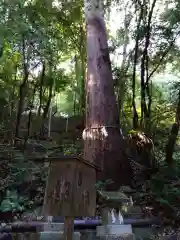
<point>20,104</point>
<point>49,100</point>
<point>103,140</point>
<point>135,117</point>
<point>145,85</point>
<point>49,121</point>
<point>173,136</point>
<point>124,65</point>
<point>41,88</point>
<point>82,52</point>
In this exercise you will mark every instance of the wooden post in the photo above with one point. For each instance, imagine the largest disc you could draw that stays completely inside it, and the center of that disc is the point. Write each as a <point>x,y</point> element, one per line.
<point>68,228</point>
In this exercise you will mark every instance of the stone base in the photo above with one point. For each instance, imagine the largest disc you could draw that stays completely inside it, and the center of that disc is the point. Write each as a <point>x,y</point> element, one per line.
<point>128,236</point>
<point>115,232</point>
<point>113,229</point>
<point>58,236</point>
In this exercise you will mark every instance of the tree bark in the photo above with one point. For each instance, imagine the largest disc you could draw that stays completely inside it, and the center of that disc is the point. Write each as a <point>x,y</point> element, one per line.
<point>22,91</point>
<point>30,117</point>
<point>135,114</point>
<point>48,103</point>
<point>145,89</point>
<point>173,136</point>
<point>103,140</point>
<point>124,68</point>
<point>46,109</point>
<point>41,89</point>
<point>82,58</point>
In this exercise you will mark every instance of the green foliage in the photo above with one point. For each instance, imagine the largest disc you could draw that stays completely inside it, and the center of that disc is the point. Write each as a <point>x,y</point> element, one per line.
<point>13,202</point>
<point>162,192</point>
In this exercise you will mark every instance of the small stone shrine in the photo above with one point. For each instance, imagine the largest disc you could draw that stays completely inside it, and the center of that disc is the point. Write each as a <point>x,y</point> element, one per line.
<point>112,219</point>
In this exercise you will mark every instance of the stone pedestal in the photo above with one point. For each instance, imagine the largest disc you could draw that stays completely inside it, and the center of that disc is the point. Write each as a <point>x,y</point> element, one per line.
<point>58,236</point>
<point>117,232</point>
<point>54,231</point>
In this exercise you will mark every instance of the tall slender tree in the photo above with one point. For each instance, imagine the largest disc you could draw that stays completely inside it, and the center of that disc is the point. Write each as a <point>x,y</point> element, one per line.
<point>102,135</point>
<point>173,135</point>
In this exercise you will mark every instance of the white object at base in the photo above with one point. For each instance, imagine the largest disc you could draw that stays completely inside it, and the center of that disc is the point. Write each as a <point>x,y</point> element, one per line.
<point>117,230</point>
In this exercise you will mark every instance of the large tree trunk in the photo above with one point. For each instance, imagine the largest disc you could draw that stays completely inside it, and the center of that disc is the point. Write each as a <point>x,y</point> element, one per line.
<point>103,141</point>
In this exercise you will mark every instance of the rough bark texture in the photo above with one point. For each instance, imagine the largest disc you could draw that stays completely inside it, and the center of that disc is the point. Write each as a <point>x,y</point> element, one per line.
<point>103,138</point>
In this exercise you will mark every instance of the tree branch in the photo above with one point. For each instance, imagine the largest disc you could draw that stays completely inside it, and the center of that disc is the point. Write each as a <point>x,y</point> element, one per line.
<point>162,58</point>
